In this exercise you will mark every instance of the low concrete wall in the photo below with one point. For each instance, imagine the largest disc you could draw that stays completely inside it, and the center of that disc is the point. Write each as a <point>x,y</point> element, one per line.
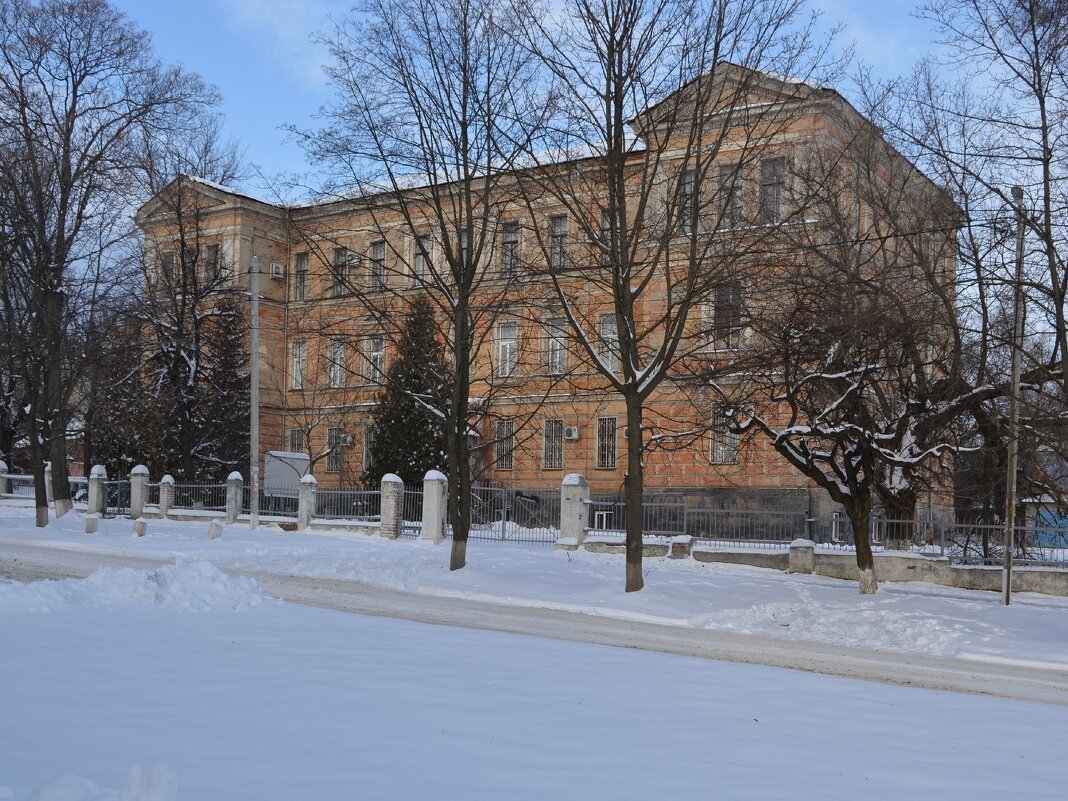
<point>776,560</point>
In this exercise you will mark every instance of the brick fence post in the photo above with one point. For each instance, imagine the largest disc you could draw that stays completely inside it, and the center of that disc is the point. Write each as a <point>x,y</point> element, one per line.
<point>574,511</point>
<point>166,495</point>
<point>98,492</point>
<point>434,490</point>
<point>138,490</point>
<point>306,501</point>
<point>392,507</point>
<point>235,490</point>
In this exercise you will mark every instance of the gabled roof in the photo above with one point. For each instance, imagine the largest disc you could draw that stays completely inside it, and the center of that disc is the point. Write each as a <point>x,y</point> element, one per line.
<point>215,195</point>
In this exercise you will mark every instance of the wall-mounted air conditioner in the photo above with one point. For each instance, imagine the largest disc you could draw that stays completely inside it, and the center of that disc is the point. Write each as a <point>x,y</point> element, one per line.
<point>571,432</point>
<point>278,271</point>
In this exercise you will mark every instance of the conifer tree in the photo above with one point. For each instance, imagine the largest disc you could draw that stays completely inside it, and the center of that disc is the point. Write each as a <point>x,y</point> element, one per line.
<point>408,424</point>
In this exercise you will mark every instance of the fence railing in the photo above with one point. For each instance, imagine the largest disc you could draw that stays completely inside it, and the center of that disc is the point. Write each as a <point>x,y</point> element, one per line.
<point>658,519</point>
<point>271,502</point>
<point>343,504</point>
<point>117,498</point>
<point>412,518</point>
<point>197,496</point>
<point>746,528</point>
<point>16,485</point>
<point>530,516</point>
<point>984,544</point>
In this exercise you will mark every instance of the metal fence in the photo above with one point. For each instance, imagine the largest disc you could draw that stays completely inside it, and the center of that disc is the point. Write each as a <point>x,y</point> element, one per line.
<point>412,518</point>
<point>197,496</point>
<point>271,502</point>
<point>116,498</point>
<point>18,486</point>
<point>513,515</point>
<point>79,490</point>
<point>658,518</point>
<point>984,544</point>
<point>746,528</point>
<point>343,504</point>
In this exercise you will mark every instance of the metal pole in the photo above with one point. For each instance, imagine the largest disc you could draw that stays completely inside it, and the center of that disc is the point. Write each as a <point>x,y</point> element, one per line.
<point>1014,411</point>
<point>254,378</point>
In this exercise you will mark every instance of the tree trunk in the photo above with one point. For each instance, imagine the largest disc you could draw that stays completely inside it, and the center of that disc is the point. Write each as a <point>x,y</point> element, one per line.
<point>40,495</point>
<point>459,454</point>
<point>56,402</point>
<point>633,491</point>
<point>60,477</point>
<point>859,512</point>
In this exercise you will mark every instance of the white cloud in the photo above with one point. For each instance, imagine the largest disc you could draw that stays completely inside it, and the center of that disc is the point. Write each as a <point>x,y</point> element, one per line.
<point>286,28</point>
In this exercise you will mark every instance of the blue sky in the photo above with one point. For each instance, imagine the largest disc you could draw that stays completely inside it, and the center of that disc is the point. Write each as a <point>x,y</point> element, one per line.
<point>260,56</point>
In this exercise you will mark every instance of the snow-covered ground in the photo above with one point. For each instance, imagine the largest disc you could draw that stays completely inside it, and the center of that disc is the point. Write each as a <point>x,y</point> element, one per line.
<point>909,617</point>
<point>185,683</point>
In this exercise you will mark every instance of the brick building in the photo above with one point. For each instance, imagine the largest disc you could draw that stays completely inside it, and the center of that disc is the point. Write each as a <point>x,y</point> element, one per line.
<point>335,276</point>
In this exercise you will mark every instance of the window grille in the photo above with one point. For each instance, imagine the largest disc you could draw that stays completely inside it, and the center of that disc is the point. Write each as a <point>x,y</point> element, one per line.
<point>553,445</point>
<point>606,443</point>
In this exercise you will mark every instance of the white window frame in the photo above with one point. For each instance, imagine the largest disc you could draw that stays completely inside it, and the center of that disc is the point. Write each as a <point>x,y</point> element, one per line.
<point>725,333</point>
<point>723,440</point>
<point>336,363</point>
<point>342,261</point>
<point>607,439</point>
<point>772,190</point>
<point>556,345</point>
<point>368,445</point>
<point>608,346</point>
<point>376,267</point>
<point>296,440</point>
<point>552,450</point>
<point>558,225</point>
<point>732,197</point>
<point>504,457</point>
<point>299,363</point>
<point>422,247</point>
<point>510,248</point>
<point>507,348</point>
<point>301,276</point>
<point>374,352</point>
<point>689,196</point>
<point>333,452</point>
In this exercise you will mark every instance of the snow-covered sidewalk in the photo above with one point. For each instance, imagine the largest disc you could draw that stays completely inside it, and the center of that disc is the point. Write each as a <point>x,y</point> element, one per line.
<point>909,617</point>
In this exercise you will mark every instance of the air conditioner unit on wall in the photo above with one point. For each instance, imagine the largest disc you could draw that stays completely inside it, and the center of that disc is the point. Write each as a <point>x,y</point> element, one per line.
<point>278,271</point>
<point>571,432</point>
<point>347,439</point>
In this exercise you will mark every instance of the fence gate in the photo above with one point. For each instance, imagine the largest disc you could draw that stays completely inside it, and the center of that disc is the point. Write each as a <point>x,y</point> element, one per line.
<point>117,503</point>
<point>515,515</point>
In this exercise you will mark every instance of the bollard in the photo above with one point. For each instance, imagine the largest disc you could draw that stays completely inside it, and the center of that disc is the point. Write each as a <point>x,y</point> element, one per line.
<point>392,508</point>
<point>140,527</point>
<point>235,487</point>
<point>214,530</point>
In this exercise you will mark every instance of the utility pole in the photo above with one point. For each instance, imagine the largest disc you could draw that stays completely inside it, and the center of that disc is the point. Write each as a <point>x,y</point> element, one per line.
<point>1014,411</point>
<point>254,393</point>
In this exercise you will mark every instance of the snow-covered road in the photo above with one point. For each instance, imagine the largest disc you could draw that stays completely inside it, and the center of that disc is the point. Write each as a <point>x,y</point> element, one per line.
<point>24,561</point>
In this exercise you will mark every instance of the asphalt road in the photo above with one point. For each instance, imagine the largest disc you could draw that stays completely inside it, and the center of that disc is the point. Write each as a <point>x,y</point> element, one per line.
<point>27,562</point>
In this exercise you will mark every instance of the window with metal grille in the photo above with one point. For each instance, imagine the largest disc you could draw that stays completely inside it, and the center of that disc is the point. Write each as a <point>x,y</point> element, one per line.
<point>687,201</point>
<point>723,445</point>
<point>465,248</point>
<point>377,267</point>
<point>300,277</point>
<point>296,440</point>
<point>558,241</point>
<point>727,316</point>
<point>772,184</point>
<point>730,193</point>
<point>552,455</point>
<point>368,449</point>
<point>375,357</point>
<point>505,444</point>
<point>333,455</point>
<point>510,250</point>
<point>211,261</point>
<point>421,269</point>
<point>336,364</point>
<point>556,345</point>
<point>300,363</point>
<point>608,348</point>
<point>606,443</point>
<point>341,272</point>
<point>507,348</point>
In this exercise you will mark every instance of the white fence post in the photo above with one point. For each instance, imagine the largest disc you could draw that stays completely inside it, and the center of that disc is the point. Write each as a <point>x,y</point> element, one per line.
<point>138,490</point>
<point>574,511</point>
<point>3,477</point>
<point>234,490</point>
<point>306,501</point>
<point>392,507</point>
<point>98,492</point>
<point>166,495</point>
<point>434,492</point>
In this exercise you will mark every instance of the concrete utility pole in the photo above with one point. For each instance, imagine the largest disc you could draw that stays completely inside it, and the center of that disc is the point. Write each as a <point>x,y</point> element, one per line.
<point>254,395</point>
<point>1014,411</point>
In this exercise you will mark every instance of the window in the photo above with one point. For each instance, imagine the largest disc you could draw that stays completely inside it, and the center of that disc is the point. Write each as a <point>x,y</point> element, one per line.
<point>166,264</point>
<point>505,444</point>
<point>687,201</point>
<point>727,316</point>
<point>336,363</point>
<point>607,254</point>
<point>558,242</point>
<point>556,345</point>
<point>606,443</point>
<point>507,348</point>
<point>772,179</point>
<point>510,250</point>
<point>300,363</point>
<point>296,440</point>
<point>300,280</point>
<point>421,270</point>
<point>723,445</point>
<point>465,248</point>
<point>552,455</point>
<point>730,192</point>
<point>377,267</point>
<point>211,261</point>
<point>608,348</point>
<point>333,453</point>
<point>368,449</point>
<point>341,272</point>
<point>374,350</point>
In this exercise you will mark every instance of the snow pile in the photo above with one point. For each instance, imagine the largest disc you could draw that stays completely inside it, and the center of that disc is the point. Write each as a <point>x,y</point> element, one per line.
<point>186,585</point>
<point>153,782</point>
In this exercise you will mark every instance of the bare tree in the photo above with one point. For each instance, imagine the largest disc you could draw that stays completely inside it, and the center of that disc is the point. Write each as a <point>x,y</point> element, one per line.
<point>662,111</point>
<point>78,85</point>
<point>432,110</point>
